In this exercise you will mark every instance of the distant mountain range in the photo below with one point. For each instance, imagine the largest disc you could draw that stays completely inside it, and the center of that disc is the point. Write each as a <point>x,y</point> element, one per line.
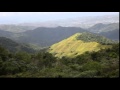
<point>47,36</point>
<point>100,27</point>
<point>16,28</point>
<point>110,31</point>
<point>83,22</point>
<point>44,37</point>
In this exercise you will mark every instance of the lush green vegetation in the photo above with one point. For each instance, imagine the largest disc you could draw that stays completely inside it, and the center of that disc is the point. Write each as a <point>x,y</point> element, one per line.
<point>104,63</point>
<point>90,37</point>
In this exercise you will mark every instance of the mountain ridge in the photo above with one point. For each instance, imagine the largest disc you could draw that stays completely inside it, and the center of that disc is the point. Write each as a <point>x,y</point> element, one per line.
<point>100,27</point>
<point>110,31</point>
<point>47,36</point>
<point>15,28</point>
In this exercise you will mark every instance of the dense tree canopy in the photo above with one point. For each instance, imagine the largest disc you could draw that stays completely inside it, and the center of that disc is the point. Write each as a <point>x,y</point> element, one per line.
<point>89,37</point>
<point>104,63</point>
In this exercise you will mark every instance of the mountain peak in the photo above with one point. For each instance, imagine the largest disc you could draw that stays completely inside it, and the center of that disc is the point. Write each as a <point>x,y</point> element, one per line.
<point>75,36</point>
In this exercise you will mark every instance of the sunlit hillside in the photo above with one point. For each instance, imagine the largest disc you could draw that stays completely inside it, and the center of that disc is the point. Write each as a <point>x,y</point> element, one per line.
<point>72,47</point>
<point>59,45</point>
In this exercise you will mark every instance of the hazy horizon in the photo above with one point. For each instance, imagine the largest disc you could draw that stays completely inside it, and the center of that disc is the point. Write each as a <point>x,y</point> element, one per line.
<point>31,17</point>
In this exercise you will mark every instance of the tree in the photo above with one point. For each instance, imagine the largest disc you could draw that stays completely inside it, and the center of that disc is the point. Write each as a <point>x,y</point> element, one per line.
<point>4,53</point>
<point>23,56</point>
<point>1,64</point>
<point>10,67</point>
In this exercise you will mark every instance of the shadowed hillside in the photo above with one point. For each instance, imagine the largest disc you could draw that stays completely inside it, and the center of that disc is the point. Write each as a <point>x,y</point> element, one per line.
<point>110,31</point>
<point>47,36</point>
<point>13,46</point>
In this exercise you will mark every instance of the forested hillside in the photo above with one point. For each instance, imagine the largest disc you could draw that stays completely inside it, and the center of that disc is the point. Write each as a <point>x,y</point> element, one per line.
<point>114,35</point>
<point>104,63</point>
<point>14,46</point>
<point>90,37</point>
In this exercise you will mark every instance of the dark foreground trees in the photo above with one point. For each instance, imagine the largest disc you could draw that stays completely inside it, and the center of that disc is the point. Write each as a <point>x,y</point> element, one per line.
<point>104,63</point>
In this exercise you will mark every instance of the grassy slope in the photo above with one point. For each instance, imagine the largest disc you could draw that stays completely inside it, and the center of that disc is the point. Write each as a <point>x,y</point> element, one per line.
<point>72,47</point>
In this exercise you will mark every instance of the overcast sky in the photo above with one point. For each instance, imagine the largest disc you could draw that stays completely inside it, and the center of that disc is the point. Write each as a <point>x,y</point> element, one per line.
<point>23,17</point>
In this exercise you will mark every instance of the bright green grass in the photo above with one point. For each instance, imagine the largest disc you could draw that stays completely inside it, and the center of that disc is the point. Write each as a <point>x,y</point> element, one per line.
<point>72,47</point>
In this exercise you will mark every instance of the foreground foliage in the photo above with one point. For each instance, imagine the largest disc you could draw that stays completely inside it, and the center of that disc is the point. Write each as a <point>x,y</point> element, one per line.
<point>104,63</point>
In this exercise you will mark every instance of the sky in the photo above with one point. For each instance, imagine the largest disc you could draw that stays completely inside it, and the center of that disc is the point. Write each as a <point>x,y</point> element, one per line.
<point>27,17</point>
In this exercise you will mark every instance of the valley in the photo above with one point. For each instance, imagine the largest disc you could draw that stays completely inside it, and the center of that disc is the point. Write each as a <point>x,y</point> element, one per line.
<point>85,47</point>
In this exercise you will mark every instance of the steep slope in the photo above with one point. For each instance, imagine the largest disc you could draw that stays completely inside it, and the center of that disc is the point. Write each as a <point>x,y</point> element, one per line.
<point>13,46</point>
<point>47,36</point>
<point>79,44</point>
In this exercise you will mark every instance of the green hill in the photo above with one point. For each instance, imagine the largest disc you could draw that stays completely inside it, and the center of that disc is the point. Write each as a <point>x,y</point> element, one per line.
<point>14,46</point>
<point>78,44</point>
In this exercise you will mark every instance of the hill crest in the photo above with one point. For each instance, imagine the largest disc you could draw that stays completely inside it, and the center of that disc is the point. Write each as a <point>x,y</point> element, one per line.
<point>72,47</point>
